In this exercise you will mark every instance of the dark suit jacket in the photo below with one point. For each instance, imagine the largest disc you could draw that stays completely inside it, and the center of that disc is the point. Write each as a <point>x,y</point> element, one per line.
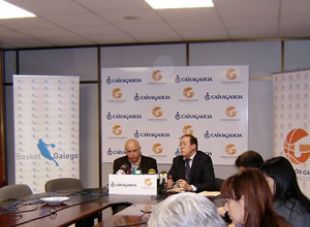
<point>145,164</point>
<point>201,173</point>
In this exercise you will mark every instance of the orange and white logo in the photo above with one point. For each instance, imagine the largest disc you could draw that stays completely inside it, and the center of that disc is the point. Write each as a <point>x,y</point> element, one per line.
<point>297,151</point>
<point>157,111</point>
<point>117,93</point>
<point>231,111</point>
<point>230,149</point>
<point>148,182</point>
<point>231,74</point>
<point>188,129</point>
<point>157,148</point>
<point>188,92</point>
<point>157,75</point>
<point>117,130</point>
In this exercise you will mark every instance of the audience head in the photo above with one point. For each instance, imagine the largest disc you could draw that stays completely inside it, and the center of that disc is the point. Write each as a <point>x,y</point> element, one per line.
<point>249,159</point>
<point>133,150</point>
<point>188,145</point>
<point>249,200</point>
<point>186,209</point>
<point>282,180</point>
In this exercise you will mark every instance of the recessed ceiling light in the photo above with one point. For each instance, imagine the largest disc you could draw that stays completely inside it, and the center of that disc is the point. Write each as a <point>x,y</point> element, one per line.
<point>176,4</point>
<point>10,11</point>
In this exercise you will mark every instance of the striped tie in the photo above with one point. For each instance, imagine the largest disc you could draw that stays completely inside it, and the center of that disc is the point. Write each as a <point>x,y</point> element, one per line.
<point>187,169</point>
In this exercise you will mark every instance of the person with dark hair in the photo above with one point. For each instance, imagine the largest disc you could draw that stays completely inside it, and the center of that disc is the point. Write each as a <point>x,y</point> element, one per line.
<point>249,200</point>
<point>289,201</point>
<point>193,169</point>
<point>249,159</point>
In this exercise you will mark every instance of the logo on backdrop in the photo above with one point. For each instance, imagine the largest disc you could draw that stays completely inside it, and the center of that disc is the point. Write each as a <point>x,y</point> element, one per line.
<point>192,79</point>
<point>231,111</point>
<point>188,92</point>
<point>157,148</point>
<point>157,112</point>
<point>231,74</point>
<point>117,93</point>
<point>126,80</point>
<point>157,75</point>
<point>296,152</point>
<point>188,129</point>
<point>117,130</point>
<point>230,149</point>
<point>43,148</point>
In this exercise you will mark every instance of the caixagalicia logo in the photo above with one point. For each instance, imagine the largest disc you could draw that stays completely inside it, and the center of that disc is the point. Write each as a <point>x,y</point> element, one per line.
<point>117,130</point>
<point>157,112</point>
<point>157,148</point>
<point>148,182</point>
<point>296,151</point>
<point>188,129</point>
<point>157,75</point>
<point>231,111</point>
<point>231,74</point>
<point>117,93</point>
<point>188,92</point>
<point>231,149</point>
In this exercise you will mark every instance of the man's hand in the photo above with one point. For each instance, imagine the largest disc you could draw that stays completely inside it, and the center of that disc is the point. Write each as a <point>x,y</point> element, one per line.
<point>183,184</point>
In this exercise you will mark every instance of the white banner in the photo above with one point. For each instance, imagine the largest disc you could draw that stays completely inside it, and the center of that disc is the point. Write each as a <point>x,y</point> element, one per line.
<point>158,105</point>
<point>46,122</point>
<point>133,184</point>
<point>291,122</point>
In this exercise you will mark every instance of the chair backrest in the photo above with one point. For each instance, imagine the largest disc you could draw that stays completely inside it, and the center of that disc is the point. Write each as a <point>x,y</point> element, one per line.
<point>218,183</point>
<point>14,191</point>
<point>63,184</point>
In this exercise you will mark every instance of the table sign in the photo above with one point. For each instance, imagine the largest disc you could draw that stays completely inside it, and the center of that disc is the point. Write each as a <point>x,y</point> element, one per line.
<point>133,184</point>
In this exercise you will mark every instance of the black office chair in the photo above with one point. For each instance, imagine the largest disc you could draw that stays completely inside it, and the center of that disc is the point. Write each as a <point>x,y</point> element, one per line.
<point>63,185</point>
<point>14,191</point>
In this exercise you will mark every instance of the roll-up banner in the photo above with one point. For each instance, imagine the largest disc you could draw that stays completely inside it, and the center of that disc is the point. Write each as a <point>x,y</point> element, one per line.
<point>157,105</point>
<point>291,98</point>
<point>46,124</point>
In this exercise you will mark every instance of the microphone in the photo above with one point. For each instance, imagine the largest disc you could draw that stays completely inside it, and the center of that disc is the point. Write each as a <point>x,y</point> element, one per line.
<point>123,170</point>
<point>163,176</point>
<point>151,171</point>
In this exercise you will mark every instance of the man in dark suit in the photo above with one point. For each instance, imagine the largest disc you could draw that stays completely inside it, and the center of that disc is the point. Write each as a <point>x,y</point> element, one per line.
<point>134,161</point>
<point>193,169</point>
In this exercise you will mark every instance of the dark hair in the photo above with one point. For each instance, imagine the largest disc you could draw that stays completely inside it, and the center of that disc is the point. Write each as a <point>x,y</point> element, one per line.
<point>249,159</point>
<point>284,176</point>
<point>192,139</point>
<point>258,206</point>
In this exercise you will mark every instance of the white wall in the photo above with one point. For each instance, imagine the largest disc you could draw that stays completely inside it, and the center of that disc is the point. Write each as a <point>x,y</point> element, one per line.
<point>263,57</point>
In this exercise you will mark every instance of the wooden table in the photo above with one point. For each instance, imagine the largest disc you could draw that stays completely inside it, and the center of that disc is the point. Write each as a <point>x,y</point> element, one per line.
<point>75,210</point>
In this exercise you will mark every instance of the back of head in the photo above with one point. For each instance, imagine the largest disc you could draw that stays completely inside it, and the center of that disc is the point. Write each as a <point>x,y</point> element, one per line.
<point>251,185</point>
<point>249,159</point>
<point>284,176</point>
<point>186,209</point>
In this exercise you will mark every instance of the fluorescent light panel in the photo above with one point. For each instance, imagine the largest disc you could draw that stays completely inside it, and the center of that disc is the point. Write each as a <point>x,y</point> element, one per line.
<point>10,11</point>
<point>177,4</point>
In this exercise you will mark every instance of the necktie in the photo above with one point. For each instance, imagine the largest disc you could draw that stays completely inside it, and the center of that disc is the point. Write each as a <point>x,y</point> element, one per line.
<point>187,169</point>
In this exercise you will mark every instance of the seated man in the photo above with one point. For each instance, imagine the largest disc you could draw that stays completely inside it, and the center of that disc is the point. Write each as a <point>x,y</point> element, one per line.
<point>135,160</point>
<point>185,209</point>
<point>193,169</point>
<point>249,159</point>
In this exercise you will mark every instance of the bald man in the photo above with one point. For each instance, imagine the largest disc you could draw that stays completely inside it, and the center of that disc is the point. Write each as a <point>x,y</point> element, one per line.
<point>134,159</point>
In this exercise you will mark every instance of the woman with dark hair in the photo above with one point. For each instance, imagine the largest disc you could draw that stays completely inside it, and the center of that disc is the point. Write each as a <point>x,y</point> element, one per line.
<point>289,201</point>
<point>249,200</point>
